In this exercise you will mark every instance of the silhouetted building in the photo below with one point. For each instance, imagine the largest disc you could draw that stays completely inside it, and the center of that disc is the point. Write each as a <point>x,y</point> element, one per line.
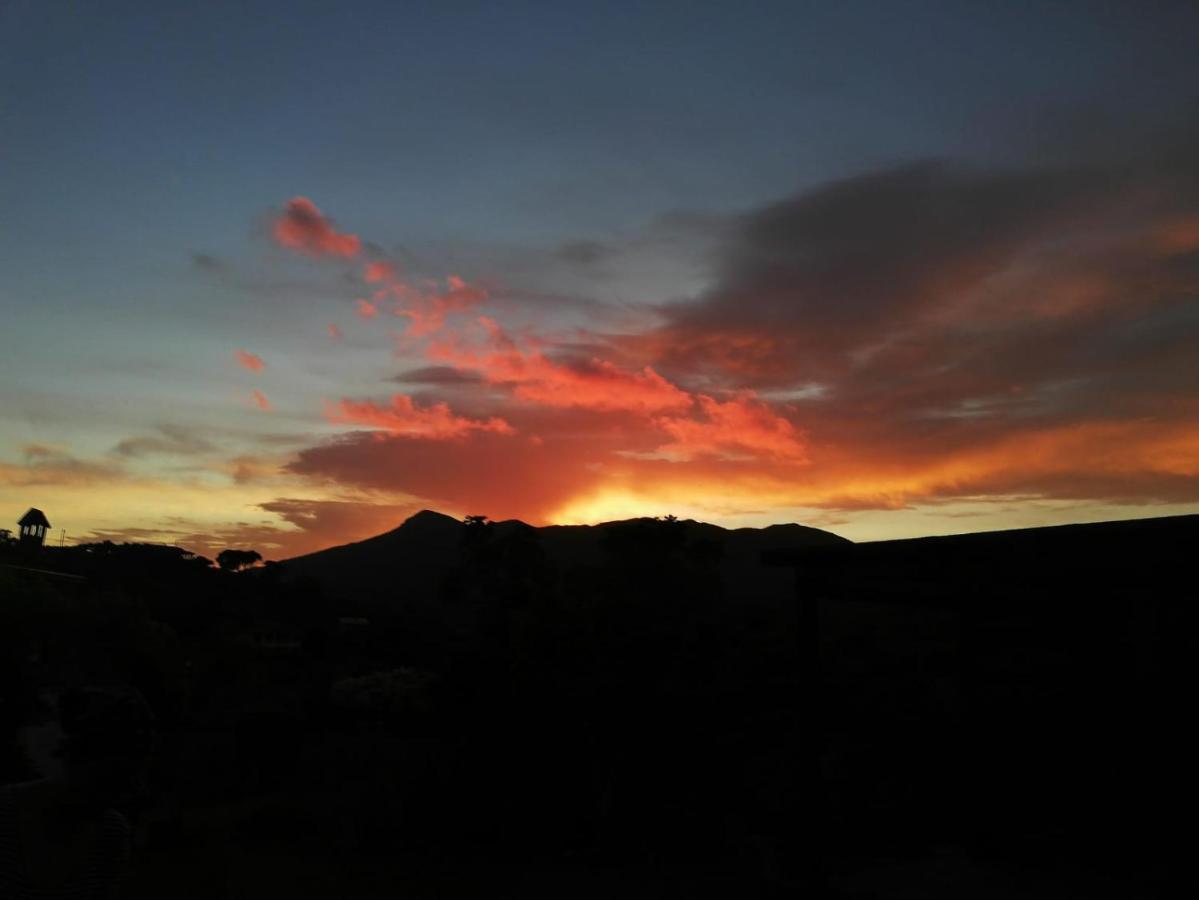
<point>34,526</point>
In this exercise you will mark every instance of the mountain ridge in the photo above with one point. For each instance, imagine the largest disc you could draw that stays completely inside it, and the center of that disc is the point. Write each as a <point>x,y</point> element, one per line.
<point>415,557</point>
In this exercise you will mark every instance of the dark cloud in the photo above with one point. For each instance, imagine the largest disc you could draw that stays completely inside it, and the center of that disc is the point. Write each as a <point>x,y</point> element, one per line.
<point>915,289</point>
<point>437,375</point>
<point>207,262</point>
<point>585,253</point>
<point>170,440</point>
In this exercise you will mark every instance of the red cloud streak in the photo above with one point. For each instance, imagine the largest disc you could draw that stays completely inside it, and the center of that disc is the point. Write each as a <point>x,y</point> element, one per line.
<point>404,418</point>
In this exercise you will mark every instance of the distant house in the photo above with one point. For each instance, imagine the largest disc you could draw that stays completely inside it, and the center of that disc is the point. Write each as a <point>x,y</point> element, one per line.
<point>34,526</point>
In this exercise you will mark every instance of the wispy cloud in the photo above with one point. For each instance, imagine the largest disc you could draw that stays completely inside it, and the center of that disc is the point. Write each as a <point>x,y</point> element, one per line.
<point>52,465</point>
<point>170,440</point>
<point>249,361</point>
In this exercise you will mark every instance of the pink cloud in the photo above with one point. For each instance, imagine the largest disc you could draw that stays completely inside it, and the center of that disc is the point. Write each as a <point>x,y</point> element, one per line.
<point>404,418</point>
<point>249,361</point>
<point>302,227</point>
<point>334,331</point>
<point>259,399</point>
<point>378,271</point>
<point>366,309</point>
<point>428,313</point>
<point>423,305</point>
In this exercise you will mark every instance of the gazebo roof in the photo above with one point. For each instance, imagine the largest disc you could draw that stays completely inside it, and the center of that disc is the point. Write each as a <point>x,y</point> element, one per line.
<point>34,517</point>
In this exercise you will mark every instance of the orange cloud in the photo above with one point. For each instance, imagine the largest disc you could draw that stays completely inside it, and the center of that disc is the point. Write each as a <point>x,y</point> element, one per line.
<point>302,227</point>
<point>581,467</point>
<point>596,384</point>
<point>259,400</point>
<point>249,361</point>
<point>1109,464</point>
<point>741,424</point>
<point>366,309</point>
<point>405,418</point>
<point>334,331</point>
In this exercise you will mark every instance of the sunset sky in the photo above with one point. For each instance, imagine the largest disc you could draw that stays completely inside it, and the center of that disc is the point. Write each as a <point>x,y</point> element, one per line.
<point>277,275</point>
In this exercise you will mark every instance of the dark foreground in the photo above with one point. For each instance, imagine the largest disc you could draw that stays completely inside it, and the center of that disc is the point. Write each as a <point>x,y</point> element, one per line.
<point>647,709</point>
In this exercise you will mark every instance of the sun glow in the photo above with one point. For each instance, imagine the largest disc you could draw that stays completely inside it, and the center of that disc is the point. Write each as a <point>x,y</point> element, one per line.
<point>610,504</point>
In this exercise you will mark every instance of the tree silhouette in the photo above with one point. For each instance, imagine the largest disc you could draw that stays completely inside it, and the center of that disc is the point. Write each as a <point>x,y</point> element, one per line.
<point>476,533</point>
<point>235,560</point>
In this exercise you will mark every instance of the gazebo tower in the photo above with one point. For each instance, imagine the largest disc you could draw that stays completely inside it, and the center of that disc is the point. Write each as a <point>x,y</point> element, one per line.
<point>34,526</point>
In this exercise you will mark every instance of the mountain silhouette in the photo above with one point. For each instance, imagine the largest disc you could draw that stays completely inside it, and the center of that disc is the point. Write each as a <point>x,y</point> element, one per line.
<point>426,522</point>
<point>412,560</point>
